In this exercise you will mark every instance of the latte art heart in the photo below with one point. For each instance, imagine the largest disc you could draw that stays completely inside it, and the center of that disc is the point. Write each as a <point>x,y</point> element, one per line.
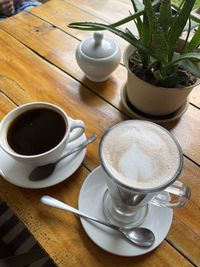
<point>140,154</point>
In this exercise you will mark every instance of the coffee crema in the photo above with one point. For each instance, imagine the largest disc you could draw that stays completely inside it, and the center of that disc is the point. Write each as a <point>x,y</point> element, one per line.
<point>36,131</point>
<point>140,154</point>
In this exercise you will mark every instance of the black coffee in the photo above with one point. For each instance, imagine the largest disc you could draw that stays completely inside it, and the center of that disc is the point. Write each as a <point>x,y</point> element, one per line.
<point>36,131</point>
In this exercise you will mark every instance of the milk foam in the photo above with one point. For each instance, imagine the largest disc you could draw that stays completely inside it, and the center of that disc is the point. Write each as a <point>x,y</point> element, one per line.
<point>140,154</point>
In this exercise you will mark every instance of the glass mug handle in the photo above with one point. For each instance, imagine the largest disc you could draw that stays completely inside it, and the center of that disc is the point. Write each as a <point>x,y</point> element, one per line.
<point>73,125</point>
<point>174,196</point>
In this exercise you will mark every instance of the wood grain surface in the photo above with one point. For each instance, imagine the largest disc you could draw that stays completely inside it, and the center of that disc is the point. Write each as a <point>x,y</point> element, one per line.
<point>37,56</point>
<point>32,31</point>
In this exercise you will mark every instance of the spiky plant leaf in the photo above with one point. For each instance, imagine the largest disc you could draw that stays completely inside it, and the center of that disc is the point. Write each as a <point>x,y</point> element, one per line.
<point>195,42</point>
<point>165,15</point>
<point>124,35</point>
<point>190,67</point>
<point>81,26</point>
<point>157,74</point>
<point>138,20</point>
<point>137,5</point>
<point>145,38</point>
<point>158,40</point>
<point>188,56</point>
<point>178,25</point>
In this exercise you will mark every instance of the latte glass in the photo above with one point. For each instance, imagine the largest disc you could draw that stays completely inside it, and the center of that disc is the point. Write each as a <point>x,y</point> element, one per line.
<point>141,162</point>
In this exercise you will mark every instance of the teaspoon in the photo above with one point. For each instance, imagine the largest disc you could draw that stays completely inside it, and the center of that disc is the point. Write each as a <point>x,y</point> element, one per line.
<point>138,236</point>
<point>44,171</point>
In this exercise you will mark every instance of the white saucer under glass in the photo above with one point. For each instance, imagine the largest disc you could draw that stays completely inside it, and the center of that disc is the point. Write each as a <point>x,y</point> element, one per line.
<point>91,202</point>
<point>18,173</point>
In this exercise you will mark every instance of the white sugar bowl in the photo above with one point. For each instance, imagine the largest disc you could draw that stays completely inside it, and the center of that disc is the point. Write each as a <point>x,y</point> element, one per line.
<point>98,57</point>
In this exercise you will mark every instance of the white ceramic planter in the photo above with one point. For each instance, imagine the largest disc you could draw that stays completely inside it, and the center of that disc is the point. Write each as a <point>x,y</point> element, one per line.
<point>151,99</point>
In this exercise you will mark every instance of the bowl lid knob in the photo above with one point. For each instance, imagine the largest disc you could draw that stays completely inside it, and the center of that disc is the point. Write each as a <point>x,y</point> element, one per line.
<point>98,37</point>
<point>98,47</point>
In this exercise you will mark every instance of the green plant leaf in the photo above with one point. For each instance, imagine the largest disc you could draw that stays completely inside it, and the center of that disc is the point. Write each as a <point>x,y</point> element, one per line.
<point>125,35</point>
<point>188,56</point>
<point>132,16</point>
<point>81,26</point>
<point>137,5</point>
<point>165,15</point>
<point>190,66</point>
<point>158,39</point>
<point>138,20</point>
<point>178,25</point>
<point>193,15</point>
<point>145,34</point>
<point>145,38</point>
<point>118,23</point>
<point>129,33</point>
<point>157,74</point>
<point>184,48</point>
<point>195,42</point>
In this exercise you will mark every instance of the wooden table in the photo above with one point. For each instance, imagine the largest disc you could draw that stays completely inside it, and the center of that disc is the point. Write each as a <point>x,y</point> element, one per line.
<point>37,63</point>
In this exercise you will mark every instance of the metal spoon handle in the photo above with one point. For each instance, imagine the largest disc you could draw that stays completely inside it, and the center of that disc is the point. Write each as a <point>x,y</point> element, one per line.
<point>47,200</point>
<point>81,146</point>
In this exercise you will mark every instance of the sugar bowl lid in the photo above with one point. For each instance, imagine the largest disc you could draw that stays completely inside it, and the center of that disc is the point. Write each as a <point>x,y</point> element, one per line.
<point>98,47</point>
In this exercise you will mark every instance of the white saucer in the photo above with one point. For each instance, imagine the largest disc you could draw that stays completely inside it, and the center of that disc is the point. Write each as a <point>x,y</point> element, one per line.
<point>90,201</point>
<point>159,119</point>
<point>17,173</point>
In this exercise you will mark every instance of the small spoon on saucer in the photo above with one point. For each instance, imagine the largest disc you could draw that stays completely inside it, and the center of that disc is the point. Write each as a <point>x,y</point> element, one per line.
<point>41,172</point>
<point>139,236</point>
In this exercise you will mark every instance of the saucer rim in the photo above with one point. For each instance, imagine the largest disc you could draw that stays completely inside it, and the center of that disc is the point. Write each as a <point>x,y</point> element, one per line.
<point>94,239</point>
<point>176,115</point>
<point>55,180</point>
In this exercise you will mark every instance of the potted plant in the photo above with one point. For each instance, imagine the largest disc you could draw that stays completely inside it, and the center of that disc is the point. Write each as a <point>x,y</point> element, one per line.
<point>161,73</point>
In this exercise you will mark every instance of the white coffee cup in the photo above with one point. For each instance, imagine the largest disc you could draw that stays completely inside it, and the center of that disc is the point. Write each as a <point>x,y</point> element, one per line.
<point>50,155</point>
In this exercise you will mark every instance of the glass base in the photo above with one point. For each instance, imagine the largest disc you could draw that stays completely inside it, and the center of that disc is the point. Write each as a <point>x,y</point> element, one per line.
<point>119,218</point>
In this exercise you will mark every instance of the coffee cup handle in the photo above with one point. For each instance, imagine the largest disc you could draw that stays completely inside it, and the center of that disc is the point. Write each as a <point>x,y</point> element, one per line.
<point>174,196</point>
<point>74,125</point>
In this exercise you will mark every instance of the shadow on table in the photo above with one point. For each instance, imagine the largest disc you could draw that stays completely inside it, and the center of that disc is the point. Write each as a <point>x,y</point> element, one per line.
<point>99,92</point>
